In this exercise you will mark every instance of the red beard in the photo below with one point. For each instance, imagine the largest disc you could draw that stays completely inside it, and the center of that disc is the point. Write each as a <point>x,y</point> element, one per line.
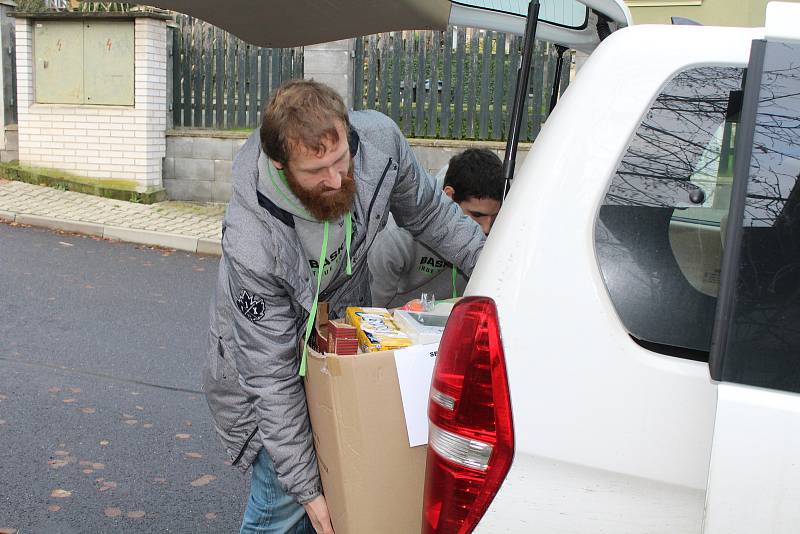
<point>323,203</point>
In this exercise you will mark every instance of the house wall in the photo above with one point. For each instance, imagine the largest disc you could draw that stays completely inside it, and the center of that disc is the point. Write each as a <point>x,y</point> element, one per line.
<point>747,13</point>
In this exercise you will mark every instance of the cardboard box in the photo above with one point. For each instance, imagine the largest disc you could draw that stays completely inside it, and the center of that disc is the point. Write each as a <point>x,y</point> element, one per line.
<point>373,481</point>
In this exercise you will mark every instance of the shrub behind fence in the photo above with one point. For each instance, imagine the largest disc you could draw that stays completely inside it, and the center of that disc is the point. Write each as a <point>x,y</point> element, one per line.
<point>457,84</point>
<point>219,81</point>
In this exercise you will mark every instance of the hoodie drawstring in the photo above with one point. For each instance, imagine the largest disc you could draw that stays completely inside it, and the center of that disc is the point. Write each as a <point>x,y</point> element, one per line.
<point>348,237</point>
<point>455,291</point>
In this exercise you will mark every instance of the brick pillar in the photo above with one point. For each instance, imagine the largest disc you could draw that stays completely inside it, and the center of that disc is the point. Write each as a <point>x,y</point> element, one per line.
<point>124,143</point>
<point>331,63</point>
<point>150,86</point>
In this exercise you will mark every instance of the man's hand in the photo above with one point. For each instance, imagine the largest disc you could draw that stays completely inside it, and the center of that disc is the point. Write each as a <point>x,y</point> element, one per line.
<point>317,511</point>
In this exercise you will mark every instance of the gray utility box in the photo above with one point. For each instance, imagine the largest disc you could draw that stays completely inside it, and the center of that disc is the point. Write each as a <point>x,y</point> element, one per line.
<point>84,62</point>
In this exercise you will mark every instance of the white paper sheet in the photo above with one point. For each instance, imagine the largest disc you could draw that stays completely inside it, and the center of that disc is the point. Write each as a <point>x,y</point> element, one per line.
<point>414,371</point>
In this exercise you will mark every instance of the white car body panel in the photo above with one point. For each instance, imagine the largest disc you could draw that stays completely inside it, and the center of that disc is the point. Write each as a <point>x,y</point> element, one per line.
<point>610,437</point>
<point>754,461</point>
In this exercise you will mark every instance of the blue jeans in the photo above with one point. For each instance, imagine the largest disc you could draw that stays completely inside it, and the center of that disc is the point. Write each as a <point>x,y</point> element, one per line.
<point>269,509</point>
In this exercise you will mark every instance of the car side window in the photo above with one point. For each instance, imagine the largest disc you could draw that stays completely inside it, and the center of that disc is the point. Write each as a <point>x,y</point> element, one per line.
<point>762,345</point>
<point>659,232</point>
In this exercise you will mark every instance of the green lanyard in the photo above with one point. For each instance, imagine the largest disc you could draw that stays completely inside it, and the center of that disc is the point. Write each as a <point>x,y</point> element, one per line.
<point>348,223</point>
<point>348,229</point>
<point>455,291</point>
<point>322,253</point>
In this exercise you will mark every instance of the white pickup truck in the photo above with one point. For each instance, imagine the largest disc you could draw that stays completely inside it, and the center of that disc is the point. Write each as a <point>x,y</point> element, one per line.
<point>628,359</point>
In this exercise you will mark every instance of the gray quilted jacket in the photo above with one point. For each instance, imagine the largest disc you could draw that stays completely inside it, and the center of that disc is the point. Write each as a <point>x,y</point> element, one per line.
<point>265,290</point>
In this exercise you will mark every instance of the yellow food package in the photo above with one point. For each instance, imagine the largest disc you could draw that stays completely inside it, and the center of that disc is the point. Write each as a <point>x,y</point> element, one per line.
<point>376,330</point>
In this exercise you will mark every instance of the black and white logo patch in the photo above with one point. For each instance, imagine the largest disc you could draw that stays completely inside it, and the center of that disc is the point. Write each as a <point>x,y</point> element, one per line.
<point>252,306</point>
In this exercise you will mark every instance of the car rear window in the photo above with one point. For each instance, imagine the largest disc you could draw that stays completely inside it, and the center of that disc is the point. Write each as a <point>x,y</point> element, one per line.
<point>567,13</point>
<point>660,230</point>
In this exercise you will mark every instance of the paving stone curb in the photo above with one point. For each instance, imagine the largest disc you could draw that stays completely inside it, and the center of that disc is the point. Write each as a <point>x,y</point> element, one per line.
<point>199,245</point>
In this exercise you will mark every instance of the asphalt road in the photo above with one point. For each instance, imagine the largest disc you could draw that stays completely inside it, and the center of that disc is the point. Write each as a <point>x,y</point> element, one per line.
<point>103,427</point>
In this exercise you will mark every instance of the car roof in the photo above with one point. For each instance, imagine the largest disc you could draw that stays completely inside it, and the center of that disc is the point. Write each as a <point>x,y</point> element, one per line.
<point>287,23</point>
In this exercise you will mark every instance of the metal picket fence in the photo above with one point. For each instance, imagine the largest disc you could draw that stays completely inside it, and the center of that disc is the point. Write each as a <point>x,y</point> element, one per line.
<point>218,80</point>
<point>457,84</point>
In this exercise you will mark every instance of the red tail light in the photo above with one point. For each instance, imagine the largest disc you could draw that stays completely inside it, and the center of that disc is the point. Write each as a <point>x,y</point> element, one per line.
<point>471,442</point>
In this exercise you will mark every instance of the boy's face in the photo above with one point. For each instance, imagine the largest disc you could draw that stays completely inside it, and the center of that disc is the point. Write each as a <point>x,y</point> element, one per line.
<point>482,210</point>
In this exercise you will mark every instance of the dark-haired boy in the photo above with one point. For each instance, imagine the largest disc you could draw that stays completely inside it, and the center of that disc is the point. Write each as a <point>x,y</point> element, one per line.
<point>402,268</point>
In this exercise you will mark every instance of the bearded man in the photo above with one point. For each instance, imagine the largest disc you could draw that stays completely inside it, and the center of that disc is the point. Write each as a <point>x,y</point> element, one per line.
<point>311,189</point>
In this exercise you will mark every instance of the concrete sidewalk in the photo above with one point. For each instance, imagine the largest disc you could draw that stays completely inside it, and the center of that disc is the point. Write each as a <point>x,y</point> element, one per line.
<point>180,225</point>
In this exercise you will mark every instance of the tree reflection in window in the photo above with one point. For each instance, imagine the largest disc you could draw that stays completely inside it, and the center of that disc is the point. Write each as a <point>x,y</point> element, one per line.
<point>657,247</point>
<point>763,345</point>
<point>675,140</point>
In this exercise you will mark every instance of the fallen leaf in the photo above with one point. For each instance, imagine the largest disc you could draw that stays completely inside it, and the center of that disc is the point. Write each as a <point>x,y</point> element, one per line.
<point>52,508</point>
<point>139,407</point>
<point>88,471</point>
<point>65,244</point>
<point>107,485</point>
<point>57,464</point>
<point>88,286</point>
<point>69,401</point>
<point>203,480</point>
<point>127,416</point>
<point>61,453</point>
<point>112,512</point>
<point>147,425</point>
<point>138,514</point>
<point>104,442</point>
<point>74,390</point>
<point>183,436</point>
<point>98,466</point>
<point>54,390</point>
<point>187,423</point>
<point>131,422</point>
<point>3,397</point>
<point>199,269</point>
<point>193,455</point>
<point>60,494</point>
<point>211,516</point>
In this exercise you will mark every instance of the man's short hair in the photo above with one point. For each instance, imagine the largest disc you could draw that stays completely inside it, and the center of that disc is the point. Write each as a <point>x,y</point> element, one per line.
<point>475,173</point>
<point>301,113</point>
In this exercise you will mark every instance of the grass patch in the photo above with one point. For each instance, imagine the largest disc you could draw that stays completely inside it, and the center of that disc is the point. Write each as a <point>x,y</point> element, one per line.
<point>64,181</point>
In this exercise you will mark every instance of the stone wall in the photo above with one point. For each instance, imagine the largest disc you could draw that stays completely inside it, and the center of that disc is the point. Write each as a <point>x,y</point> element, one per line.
<point>198,163</point>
